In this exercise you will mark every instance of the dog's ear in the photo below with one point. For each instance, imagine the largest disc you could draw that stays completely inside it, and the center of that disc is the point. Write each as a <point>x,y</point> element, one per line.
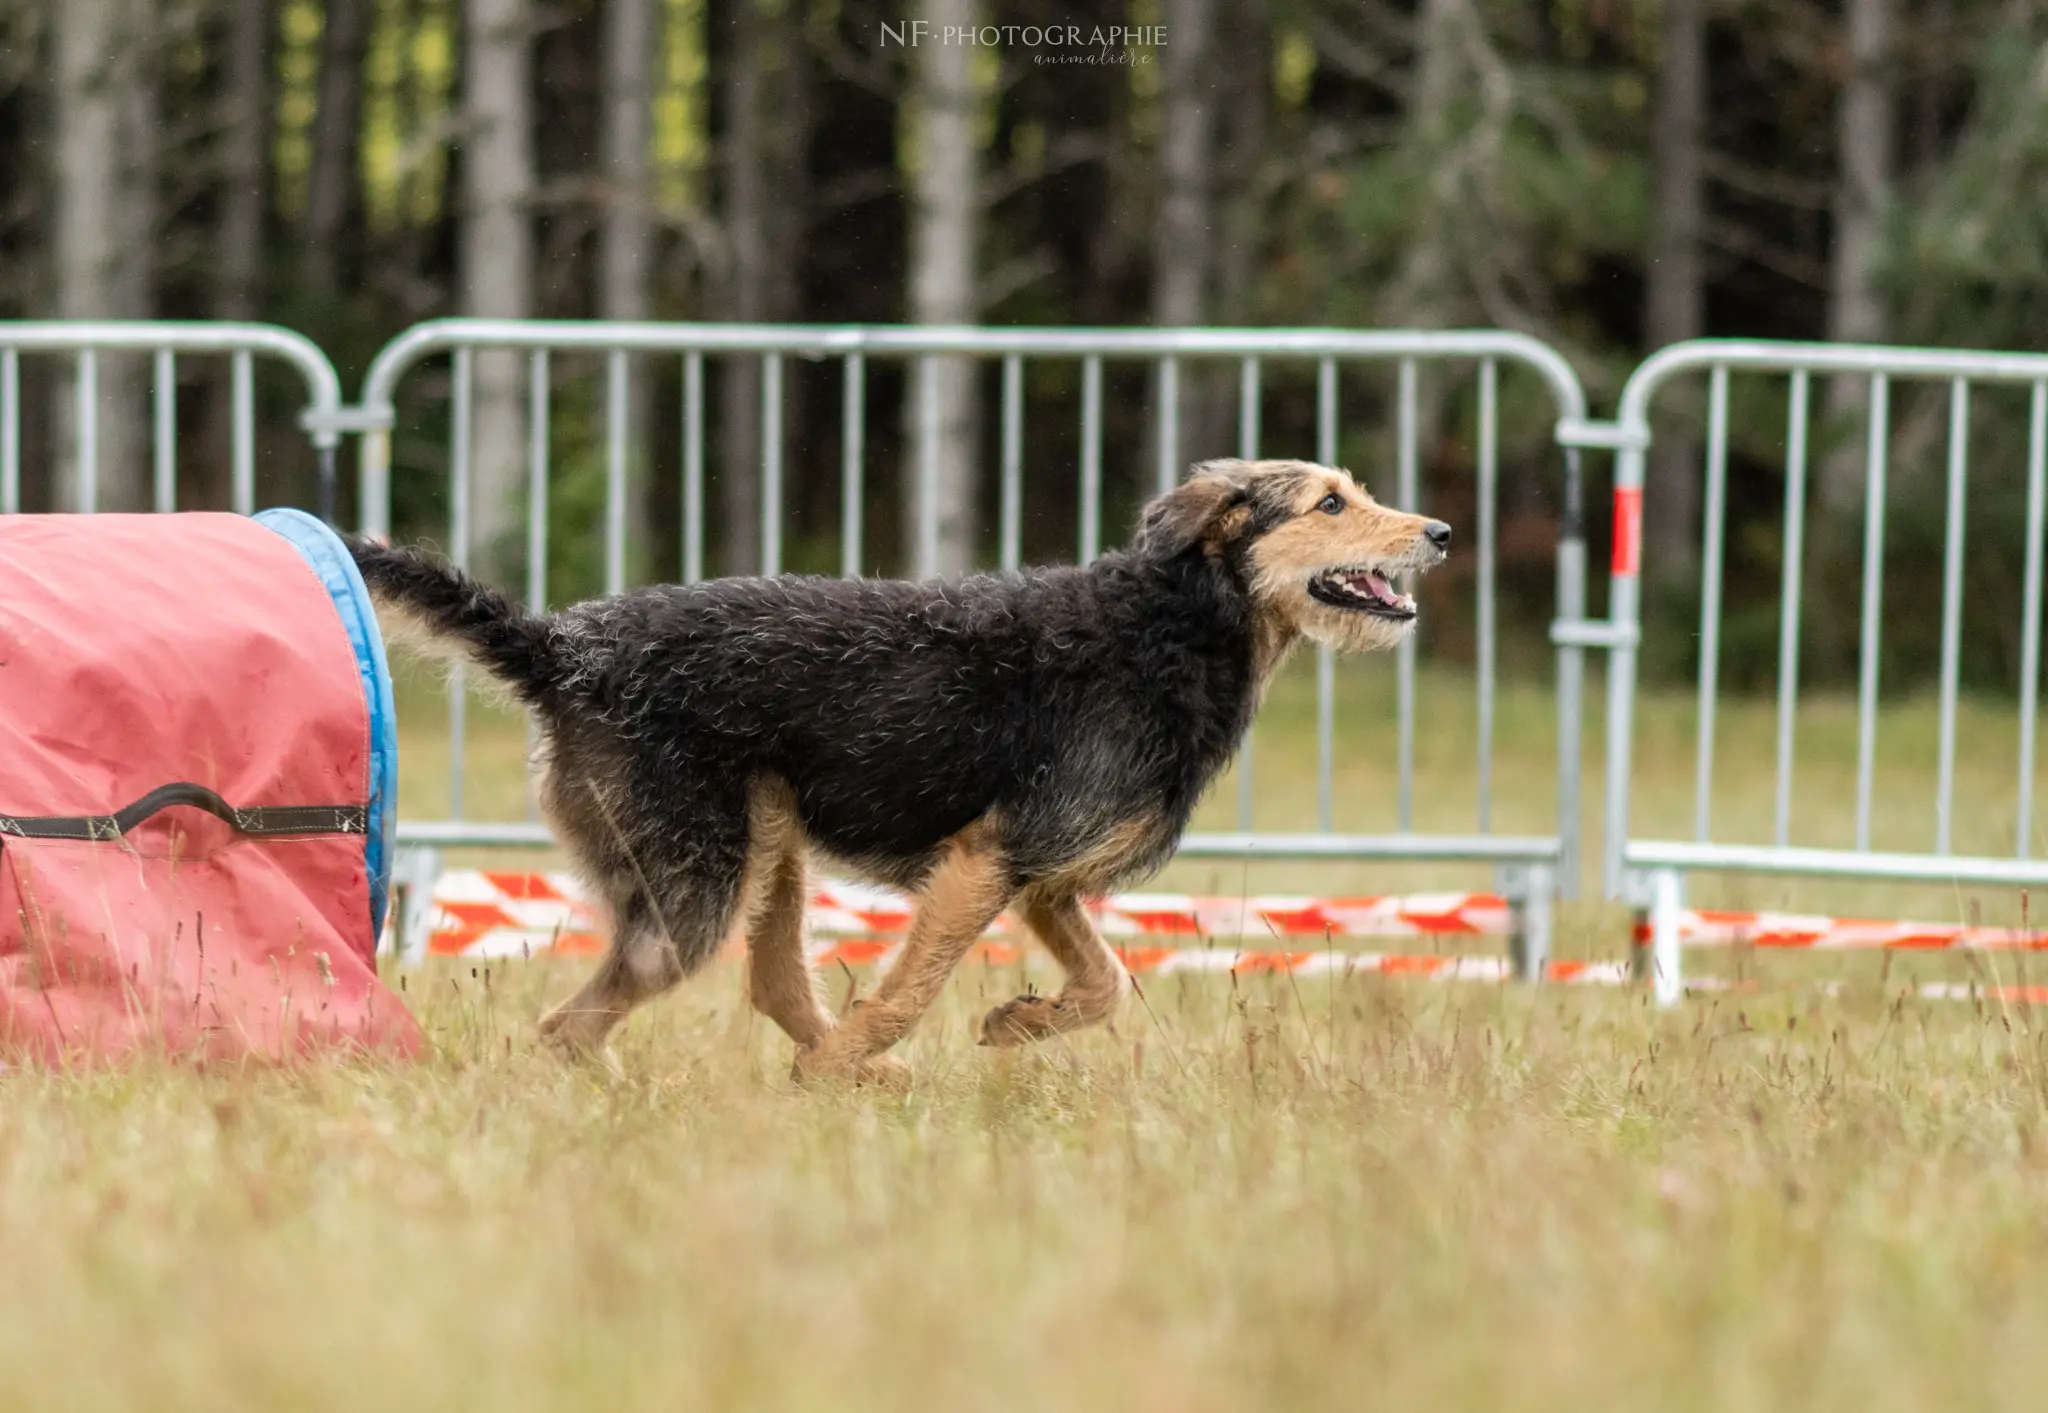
<point>1176,522</point>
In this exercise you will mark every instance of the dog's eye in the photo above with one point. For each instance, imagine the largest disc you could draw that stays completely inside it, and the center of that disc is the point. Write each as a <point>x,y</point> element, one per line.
<point>1331,504</point>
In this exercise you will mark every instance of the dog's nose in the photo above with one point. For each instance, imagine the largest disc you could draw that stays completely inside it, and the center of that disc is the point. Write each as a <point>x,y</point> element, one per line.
<point>1439,534</point>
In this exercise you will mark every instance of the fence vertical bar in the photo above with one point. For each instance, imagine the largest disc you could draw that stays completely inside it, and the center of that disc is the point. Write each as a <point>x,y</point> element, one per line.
<point>1013,462</point>
<point>1623,612</point>
<point>537,391</point>
<point>1247,448</point>
<point>1168,472</point>
<point>1248,409</point>
<point>615,417</point>
<point>458,551</point>
<point>373,482</point>
<point>1873,600</point>
<point>1489,476</point>
<point>1326,657</point>
<point>537,481</point>
<point>164,393</point>
<point>927,562</point>
<point>1091,457</point>
<point>325,490</point>
<point>853,427</point>
<point>771,463</point>
<point>1790,589</point>
<point>244,381</point>
<point>1411,497</point>
<point>1715,516</point>
<point>2030,628</point>
<point>88,416</point>
<point>1952,608</point>
<point>693,467</point>
<point>1571,667</point>
<point>10,432</point>
<point>1667,958</point>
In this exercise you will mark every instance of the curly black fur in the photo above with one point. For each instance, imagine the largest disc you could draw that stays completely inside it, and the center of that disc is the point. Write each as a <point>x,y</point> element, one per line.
<point>1062,702</point>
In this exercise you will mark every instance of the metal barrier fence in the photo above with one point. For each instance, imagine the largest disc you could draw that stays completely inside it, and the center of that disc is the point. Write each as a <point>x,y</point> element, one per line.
<point>323,419</point>
<point>1646,872</point>
<point>1531,869</point>
<point>1649,873</point>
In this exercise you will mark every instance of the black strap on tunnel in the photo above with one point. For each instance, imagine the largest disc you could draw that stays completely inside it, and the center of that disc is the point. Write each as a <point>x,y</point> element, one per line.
<point>258,821</point>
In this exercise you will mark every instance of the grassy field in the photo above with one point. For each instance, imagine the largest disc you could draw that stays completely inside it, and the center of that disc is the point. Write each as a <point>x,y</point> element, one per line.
<point>1332,1194</point>
<point>1366,1195</point>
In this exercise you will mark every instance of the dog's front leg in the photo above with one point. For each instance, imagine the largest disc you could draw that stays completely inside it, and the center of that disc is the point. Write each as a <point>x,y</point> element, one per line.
<point>966,890</point>
<point>780,981</point>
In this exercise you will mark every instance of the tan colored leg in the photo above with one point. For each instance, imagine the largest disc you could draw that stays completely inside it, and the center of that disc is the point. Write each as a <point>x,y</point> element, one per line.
<point>780,981</point>
<point>1096,980</point>
<point>965,892</point>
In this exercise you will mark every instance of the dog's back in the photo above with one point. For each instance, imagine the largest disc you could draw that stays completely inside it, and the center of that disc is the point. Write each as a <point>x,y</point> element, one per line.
<point>901,712</point>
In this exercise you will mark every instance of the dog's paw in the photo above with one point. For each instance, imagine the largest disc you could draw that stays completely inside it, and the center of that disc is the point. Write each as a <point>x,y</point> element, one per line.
<point>820,1063</point>
<point>1028,1018</point>
<point>573,1036</point>
<point>885,1072</point>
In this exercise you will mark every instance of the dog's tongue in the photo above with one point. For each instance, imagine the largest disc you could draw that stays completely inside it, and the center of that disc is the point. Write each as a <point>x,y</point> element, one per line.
<point>1378,587</point>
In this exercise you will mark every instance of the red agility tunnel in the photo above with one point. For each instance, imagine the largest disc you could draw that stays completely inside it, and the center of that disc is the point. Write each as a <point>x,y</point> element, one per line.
<point>197,771</point>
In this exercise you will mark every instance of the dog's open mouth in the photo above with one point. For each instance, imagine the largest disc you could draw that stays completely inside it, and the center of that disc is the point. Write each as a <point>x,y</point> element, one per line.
<point>1363,591</point>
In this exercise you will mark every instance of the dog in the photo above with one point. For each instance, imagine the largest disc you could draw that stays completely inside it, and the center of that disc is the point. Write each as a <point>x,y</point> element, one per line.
<point>1002,741</point>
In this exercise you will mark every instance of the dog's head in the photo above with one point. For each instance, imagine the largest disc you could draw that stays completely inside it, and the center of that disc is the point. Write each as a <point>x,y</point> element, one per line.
<point>1316,553</point>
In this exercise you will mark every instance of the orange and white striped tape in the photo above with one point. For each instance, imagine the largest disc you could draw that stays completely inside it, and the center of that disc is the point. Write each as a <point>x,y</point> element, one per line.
<point>1167,961</point>
<point>1708,927</point>
<point>483,913</point>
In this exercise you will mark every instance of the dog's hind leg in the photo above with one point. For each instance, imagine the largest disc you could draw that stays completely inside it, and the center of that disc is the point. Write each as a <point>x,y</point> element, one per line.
<point>666,927</point>
<point>1096,979</point>
<point>641,964</point>
<point>965,891</point>
<point>669,865</point>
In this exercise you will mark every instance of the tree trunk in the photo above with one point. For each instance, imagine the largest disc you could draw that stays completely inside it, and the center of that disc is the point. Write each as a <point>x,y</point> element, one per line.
<point>245,130</point>
<point>1243,31</point>
<point>331,180</point>
<point>944,232</point>
<point>747,282</point>
<point>1183,236</point>
<point>625,263</point>
<point>767,202</point>
<point>1675,306</point>
<point>238,238</point>
<point>497,261</point>
<point>1422,296</point>
<point>1863,192</point>
<point>105,125</point>
<point>1429,289</point>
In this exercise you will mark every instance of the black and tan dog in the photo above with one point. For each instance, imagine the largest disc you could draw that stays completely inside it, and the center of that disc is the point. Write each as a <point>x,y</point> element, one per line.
<point>1005,741</point>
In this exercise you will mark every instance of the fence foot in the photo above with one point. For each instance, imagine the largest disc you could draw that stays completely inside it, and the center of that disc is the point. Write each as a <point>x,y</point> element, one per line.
<point>414,873</point>
<point>1531,894</point>
<point>1667,897</point>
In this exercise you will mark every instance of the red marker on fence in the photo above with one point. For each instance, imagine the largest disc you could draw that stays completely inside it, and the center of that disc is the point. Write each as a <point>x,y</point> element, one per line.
<point>1628,531</point>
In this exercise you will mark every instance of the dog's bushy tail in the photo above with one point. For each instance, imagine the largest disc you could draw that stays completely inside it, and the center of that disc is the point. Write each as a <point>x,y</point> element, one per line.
<point>521,649</point>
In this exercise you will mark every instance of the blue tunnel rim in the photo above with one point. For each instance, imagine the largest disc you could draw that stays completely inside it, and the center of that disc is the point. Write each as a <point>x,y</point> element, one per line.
<point>328,557</point>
